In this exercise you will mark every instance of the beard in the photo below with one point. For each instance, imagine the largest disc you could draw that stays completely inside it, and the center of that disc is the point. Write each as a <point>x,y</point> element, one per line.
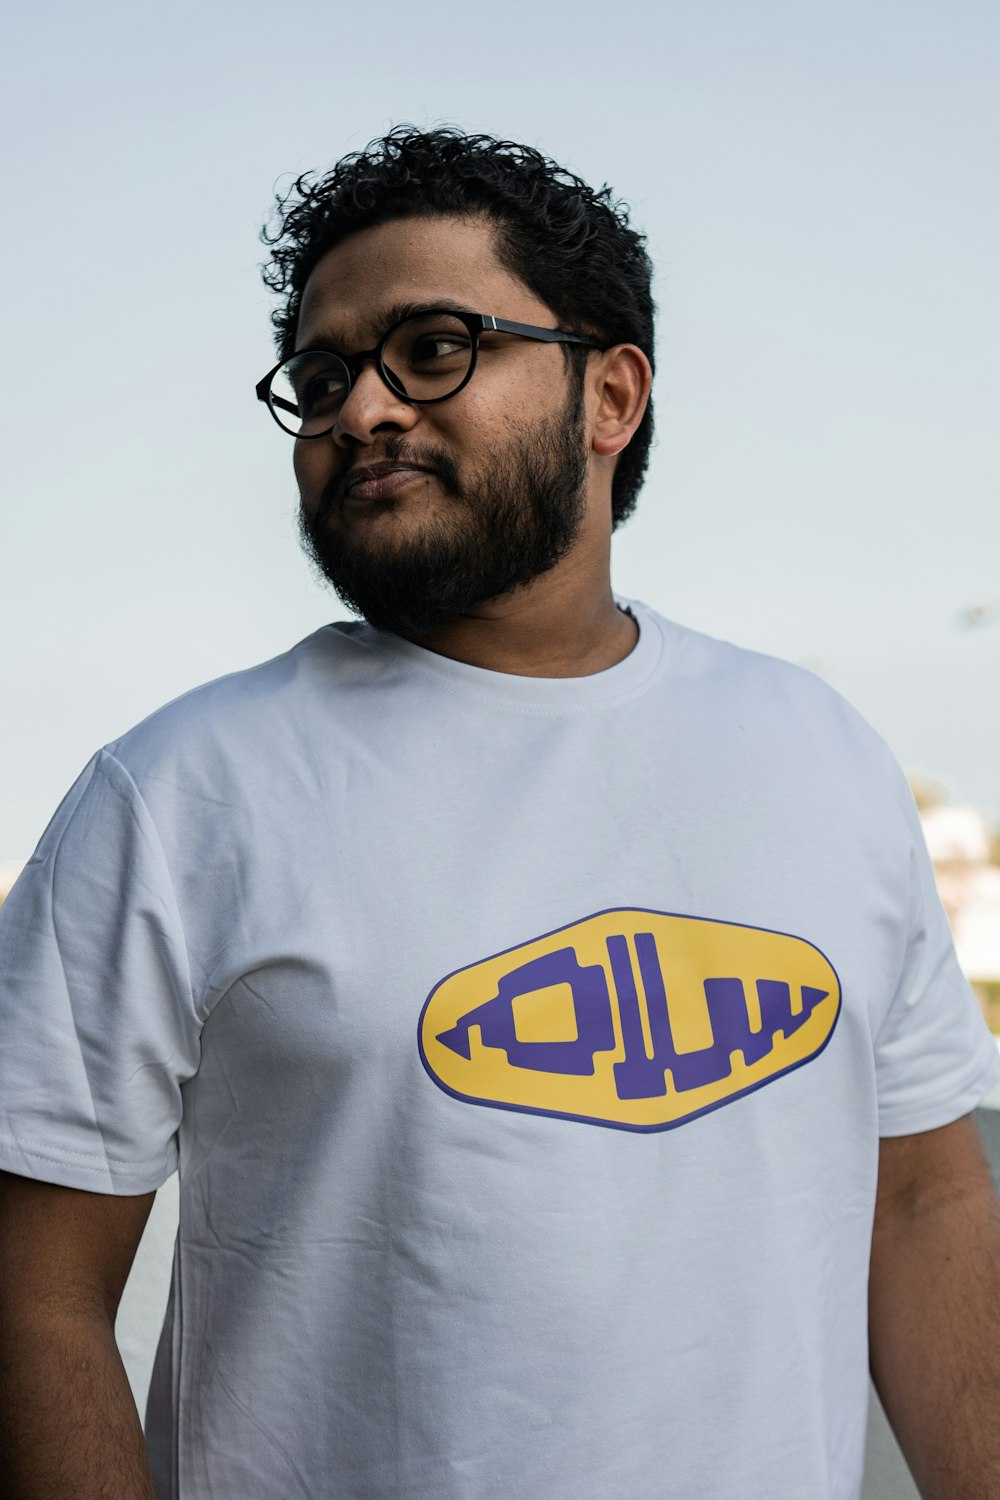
<point>513,520</point>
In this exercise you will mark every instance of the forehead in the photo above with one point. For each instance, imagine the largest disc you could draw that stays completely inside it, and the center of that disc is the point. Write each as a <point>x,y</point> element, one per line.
<point>408,260</point>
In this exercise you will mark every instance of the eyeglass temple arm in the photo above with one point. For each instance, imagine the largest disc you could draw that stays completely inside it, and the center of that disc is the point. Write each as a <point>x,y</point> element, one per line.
<point>279,401</point>
<point>530,331</point>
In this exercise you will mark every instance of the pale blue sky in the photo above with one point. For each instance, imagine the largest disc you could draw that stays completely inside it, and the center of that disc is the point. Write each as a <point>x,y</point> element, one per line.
<point>818,184</point>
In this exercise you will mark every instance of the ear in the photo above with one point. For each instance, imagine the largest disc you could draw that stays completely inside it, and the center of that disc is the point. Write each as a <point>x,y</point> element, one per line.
<point>620,383</point>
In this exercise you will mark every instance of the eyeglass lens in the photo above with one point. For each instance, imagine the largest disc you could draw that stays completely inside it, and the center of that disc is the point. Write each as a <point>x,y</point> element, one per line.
<point>425,358</point>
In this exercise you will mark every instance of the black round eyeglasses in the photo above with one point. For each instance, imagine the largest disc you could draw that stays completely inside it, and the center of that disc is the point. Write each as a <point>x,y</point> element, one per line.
<point>425,357</point>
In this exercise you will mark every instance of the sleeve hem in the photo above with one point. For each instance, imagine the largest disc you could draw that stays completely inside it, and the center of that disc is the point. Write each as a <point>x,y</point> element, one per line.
<point>71,1170</point>
<point>932,1115</point>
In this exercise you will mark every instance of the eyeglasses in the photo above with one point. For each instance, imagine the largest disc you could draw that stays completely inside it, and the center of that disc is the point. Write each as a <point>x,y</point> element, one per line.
<point>426,357</point>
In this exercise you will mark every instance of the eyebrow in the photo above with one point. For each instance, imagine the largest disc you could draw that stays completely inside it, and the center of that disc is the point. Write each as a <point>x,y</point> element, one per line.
<point>395,312</point>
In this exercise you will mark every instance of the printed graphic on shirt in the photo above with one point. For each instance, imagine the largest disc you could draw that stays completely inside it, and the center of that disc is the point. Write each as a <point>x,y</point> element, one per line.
<point>639,1020</point>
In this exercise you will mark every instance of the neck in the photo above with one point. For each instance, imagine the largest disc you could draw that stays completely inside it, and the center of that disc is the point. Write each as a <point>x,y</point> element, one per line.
<point>560,638</point>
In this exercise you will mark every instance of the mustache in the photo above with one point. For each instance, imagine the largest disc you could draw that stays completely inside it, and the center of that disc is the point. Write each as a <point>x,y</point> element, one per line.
<point>394,450</point>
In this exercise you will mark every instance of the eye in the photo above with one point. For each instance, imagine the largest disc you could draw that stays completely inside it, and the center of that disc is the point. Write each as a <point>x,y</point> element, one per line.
<point>429,347</point>
<point>321,388</point>
<point>428,356</point>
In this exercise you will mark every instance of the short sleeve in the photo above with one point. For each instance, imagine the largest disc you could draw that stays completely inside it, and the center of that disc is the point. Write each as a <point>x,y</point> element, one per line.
<point>98,1030</point>
<point>935,1057</point>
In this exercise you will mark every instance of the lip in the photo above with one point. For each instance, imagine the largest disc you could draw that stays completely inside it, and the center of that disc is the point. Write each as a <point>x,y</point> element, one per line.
<point>378,481</point>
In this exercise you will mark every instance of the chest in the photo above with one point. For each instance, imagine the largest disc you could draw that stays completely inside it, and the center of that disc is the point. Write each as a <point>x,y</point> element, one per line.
<point>614,940</point>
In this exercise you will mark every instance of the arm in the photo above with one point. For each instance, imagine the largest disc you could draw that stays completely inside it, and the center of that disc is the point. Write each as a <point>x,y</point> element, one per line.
<point>68,1423</point>
<point>934,1309</point>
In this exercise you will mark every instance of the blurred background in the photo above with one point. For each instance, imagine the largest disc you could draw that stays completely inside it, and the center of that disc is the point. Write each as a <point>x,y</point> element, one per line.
<point>818,187</point>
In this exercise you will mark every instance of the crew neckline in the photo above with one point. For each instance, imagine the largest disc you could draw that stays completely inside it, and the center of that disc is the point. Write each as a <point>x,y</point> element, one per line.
<point>632,675</point>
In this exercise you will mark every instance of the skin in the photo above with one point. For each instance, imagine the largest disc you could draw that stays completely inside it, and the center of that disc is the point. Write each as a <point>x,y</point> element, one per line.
<point>934,1295</point>
<point>68,1425</point>
<point>564,623</point>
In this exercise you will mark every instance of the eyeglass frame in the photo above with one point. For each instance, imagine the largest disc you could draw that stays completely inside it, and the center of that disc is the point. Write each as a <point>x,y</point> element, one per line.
<point>476,323</point>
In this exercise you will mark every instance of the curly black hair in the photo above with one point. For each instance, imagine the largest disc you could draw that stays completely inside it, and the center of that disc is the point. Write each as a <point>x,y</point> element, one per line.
<point>573,247</point>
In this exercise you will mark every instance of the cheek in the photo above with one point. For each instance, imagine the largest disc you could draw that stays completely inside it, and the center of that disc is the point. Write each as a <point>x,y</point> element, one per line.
<point>312,468</point>
<point>517,399</point>
<point>481,418</point>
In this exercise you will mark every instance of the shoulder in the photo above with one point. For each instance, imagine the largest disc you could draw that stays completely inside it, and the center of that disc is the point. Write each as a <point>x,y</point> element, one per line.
<point>244,716</point>
<point>755,680</point>
<point>788,717</point>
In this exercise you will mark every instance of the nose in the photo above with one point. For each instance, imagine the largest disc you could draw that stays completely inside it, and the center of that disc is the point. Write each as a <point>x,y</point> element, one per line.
<point>371,407</point>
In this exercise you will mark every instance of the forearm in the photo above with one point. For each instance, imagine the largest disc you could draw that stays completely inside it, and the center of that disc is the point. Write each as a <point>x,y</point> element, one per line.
<point>68,1422</point>
<point>934,1323</point>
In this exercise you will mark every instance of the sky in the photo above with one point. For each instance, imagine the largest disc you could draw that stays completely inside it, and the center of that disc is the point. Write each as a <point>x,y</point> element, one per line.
<point>817,183</point>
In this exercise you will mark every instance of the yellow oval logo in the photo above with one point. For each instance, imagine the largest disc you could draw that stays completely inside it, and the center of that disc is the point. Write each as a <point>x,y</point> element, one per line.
<point>639,1020</point>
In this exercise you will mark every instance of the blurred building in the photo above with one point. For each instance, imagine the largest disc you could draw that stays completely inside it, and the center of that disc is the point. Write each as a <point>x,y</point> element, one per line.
<point>9,871</point>
<point>968,880</point>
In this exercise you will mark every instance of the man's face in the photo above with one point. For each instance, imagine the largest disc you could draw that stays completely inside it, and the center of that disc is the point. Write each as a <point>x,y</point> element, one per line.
<point>498,491</point>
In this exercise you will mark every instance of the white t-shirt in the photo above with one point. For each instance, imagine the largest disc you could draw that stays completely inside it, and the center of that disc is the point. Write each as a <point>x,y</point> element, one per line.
<point>523,1044</point>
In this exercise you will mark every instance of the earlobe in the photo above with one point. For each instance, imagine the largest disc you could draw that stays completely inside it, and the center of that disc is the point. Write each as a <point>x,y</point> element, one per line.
<point>623,388</point>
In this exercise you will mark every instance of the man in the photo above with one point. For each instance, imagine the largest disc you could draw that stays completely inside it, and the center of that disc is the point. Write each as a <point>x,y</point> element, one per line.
<point>548,1007</point>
